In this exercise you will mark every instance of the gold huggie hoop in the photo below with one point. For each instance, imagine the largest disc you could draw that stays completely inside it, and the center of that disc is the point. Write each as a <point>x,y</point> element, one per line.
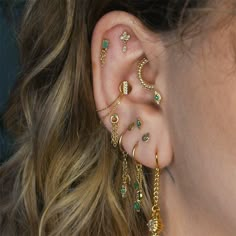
<point>140,77</point>
<point>155,224</point>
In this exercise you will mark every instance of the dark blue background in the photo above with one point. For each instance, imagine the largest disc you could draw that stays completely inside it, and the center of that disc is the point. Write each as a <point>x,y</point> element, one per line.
<point>10,18</point>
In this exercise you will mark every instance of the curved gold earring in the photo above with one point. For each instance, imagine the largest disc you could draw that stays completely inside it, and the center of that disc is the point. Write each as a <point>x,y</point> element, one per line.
<point>140,77</point>
<point>157,95</point>
<point>155,224</point>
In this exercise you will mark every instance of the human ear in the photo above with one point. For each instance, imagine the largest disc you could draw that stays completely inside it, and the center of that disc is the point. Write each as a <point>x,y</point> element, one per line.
<point>112,66</point>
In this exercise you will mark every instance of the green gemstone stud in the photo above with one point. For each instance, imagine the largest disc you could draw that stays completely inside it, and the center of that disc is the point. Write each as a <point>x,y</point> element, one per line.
<point>157,97</point>
<point>103,55</point>
<point>139,123</point>
<point>123,191</point>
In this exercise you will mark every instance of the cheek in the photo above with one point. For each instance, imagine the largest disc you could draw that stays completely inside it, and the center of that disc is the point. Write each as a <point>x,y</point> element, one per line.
<point>201,110</point>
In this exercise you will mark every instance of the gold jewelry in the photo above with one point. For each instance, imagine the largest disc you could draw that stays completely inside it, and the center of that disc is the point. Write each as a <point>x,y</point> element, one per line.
<point>114,102</point>
<point>131,126</point>
<point>125,87</point>
<point>146,137</point>
<point>140,77</point>
<point>114,132</point>
<point>157,95</point>
<point>103,55</point>
<point>155,224</point>
<point>138,185</point>
<point>125,38</point>
<point>125,175</point>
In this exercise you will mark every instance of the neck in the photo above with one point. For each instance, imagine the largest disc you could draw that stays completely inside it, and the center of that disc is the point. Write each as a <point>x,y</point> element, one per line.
<point>183,215</point>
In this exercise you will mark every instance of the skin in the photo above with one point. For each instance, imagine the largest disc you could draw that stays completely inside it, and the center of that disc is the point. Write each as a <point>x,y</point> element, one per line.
<point>194,129</point>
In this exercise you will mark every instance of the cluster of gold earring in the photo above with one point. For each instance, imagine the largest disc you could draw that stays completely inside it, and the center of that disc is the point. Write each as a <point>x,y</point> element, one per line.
<point>154,224</point>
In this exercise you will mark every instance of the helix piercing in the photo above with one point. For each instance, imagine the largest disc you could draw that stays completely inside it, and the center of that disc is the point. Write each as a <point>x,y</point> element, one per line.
<point>103,55</point>
<point>125,37</point>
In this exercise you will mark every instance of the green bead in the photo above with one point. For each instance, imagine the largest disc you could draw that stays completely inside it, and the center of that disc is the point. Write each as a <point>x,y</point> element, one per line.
<point>105,44</point>
<point>123,190</point>
<point>136,185</point>
<point>157,97</point>
<point>137,206</point>
<point>139,123</point>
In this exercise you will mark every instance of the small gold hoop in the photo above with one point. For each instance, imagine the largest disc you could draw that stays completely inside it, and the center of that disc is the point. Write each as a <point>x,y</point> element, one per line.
<point>140,77</point>
<point>134,150</point>
<point>120,145</point>
<point>157,160</point>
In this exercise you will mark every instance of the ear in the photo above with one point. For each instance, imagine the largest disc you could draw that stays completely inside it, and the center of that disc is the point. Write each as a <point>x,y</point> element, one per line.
<point>139,103</point>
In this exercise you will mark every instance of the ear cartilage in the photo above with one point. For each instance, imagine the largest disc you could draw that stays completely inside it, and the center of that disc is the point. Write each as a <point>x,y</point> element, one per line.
<point>125,37</point>
<point>105,46</point>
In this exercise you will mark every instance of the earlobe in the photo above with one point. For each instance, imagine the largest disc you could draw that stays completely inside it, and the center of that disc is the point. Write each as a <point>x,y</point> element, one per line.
<point>121,80</point>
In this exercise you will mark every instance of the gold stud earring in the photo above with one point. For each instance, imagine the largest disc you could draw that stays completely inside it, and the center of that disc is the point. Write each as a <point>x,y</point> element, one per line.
<point>125,37</point>
<point>157,95</point>
<point>103,55</point>
<point>155,224</point>
<point>125,88</point>
<point>125,174</point>
<point>138,184</point>
<point>146,137</point>
<point>114,132</point>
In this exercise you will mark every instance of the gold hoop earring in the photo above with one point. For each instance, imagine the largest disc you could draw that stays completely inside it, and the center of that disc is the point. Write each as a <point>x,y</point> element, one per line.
<point>140,76</point>
<point>125,174</point>
<point>157,95</point>
<point>155,224</point>
<point>138,184</point>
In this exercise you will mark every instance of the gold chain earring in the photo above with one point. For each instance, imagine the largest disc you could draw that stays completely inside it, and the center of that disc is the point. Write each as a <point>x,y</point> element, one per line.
<point>125,174</point>
<point>114,131</point>
<point>138,184</point>
<point>125,37</point>
<point>124,89</point>
<point>157,95</point>
<point>155,224</point>
<point>103,55</point>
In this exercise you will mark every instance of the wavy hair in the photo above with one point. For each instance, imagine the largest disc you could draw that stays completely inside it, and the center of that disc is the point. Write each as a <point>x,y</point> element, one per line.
<point>64,177</point>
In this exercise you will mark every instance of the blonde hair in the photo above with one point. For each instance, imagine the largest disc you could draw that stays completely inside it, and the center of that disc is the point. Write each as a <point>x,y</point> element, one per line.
<point>65,178</point>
